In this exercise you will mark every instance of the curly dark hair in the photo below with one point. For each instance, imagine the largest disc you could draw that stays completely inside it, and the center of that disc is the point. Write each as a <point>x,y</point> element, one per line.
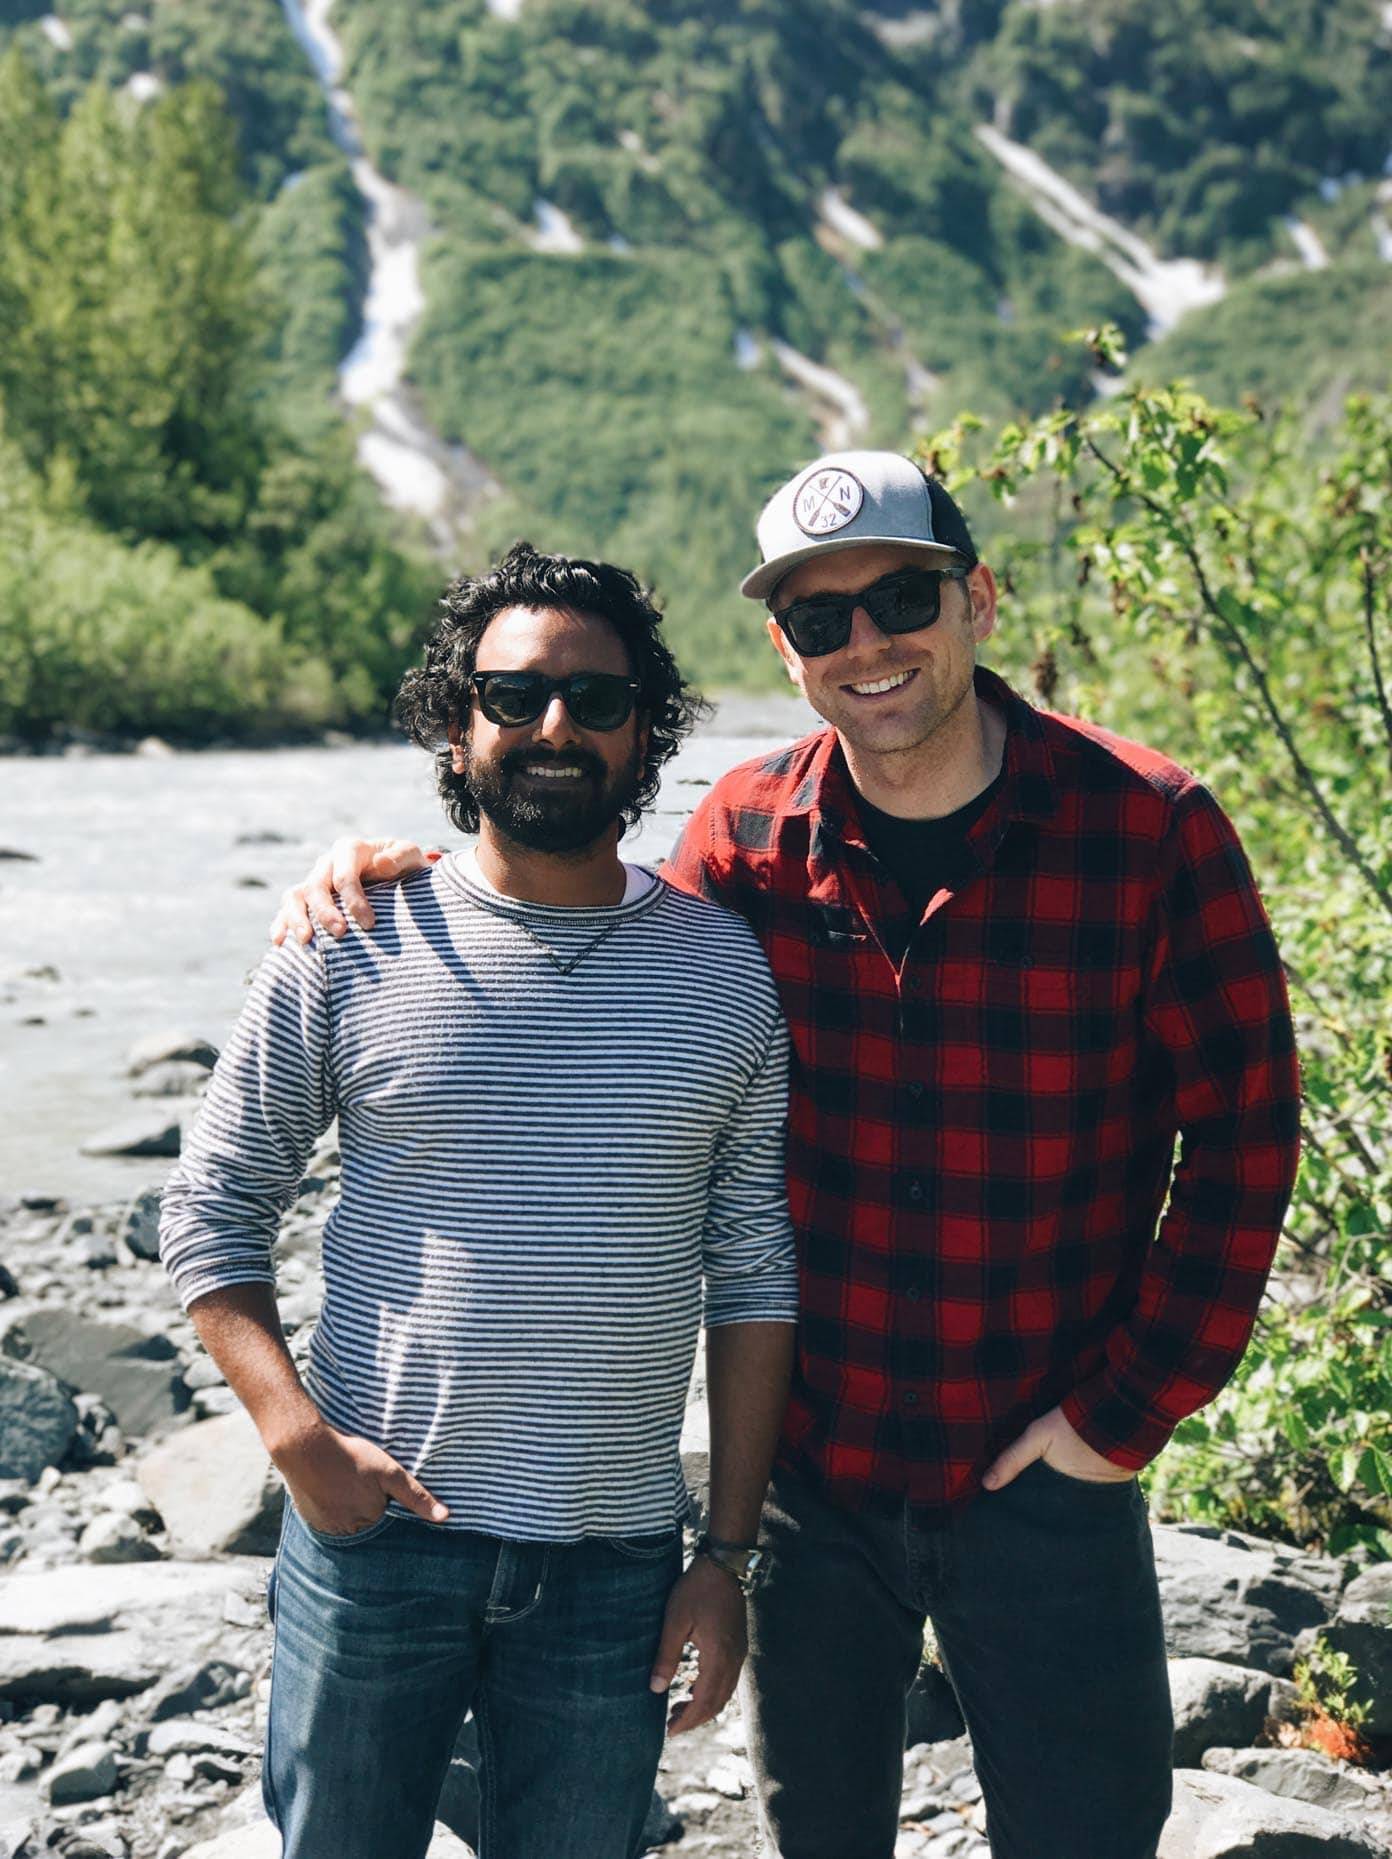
<point>437,694</point>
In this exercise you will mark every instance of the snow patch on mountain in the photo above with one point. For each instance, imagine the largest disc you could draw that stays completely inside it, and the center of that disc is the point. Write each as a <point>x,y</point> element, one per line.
<point>1166,288</point>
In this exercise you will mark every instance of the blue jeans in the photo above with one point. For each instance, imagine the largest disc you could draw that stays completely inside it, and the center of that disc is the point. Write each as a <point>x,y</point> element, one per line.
<point>385,1639</point>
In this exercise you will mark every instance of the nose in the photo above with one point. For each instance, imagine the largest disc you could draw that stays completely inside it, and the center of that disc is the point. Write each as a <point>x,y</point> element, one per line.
<point>555,725</point>
<point>866,638</point>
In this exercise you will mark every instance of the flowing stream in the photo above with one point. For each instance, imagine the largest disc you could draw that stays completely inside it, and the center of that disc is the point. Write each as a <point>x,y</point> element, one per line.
<point>414,468</point>
<point>148,887</point>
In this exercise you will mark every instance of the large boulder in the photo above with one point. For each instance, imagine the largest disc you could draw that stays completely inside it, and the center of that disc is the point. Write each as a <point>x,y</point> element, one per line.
<point>134,1373</point>
<point>75,1635</point>
<point>1219,1817</point>
<point>1362,1631</point>
<point>1239,1598</point>
<point>1217,1706</point>
<point>216,1489</point>
<point>37,1420</point>
<point>1308,1775</point>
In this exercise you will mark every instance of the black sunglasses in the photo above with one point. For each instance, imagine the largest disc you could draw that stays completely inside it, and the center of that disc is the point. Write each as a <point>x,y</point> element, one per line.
<point>595,699</point>
<point>902,602</point>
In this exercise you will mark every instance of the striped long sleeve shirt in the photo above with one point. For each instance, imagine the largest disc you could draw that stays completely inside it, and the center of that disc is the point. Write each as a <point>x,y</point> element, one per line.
<point>557,1127</point>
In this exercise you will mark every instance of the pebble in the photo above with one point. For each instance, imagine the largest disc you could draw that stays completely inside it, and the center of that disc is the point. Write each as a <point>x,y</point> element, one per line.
<point>85,1773</point>
<point>732,1778</point>
<point>115,1537</point>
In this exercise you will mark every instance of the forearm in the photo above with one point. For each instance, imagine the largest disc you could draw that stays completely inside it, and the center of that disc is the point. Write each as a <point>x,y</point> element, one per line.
<point>747,1371</point>
<point>240,1328</point>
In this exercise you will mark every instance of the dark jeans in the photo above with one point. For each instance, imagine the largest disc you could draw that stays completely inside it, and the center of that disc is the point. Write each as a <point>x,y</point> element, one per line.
<point>385,1639</point>
<point>1044,1601</point>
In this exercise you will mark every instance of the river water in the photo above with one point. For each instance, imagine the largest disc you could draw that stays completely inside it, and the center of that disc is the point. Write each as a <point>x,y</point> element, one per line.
<point>153,884</point>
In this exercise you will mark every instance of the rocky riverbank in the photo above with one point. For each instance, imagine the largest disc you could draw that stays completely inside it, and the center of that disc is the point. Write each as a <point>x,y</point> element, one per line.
<point>138,1514</point>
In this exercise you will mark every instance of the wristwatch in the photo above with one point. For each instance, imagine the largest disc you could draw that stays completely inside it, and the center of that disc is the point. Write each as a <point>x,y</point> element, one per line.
<point>744,1561</point>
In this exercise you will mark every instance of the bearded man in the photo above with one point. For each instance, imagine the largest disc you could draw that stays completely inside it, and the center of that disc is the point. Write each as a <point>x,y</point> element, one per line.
<point>561,1088</point>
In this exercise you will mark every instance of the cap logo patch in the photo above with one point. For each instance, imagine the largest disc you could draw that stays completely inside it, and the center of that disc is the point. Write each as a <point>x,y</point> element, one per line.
<point>827,501</point>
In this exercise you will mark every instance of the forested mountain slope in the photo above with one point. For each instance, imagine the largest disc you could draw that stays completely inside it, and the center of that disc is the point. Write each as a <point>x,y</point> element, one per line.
<point>678,247</point>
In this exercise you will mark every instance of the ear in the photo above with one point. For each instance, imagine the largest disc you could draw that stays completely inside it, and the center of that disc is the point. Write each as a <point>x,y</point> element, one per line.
<point>792,664</point>
<point>456,742</point>
<point>981,591</point>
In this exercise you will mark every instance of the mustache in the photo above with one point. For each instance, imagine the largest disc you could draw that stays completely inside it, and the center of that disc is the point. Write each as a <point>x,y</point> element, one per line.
<point>516,760</point>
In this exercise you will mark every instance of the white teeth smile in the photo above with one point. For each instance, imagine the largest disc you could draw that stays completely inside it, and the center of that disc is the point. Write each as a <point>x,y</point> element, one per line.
<point>555,774</point>
<point>882,684</point>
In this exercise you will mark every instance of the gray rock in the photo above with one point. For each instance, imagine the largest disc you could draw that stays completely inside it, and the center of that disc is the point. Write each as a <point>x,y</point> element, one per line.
<point>1362,1631</point>
<point>1306,1775</point>
<point>37,1420</point>
<point>84,1774</point>
<point>1220,1817</point>
<point>1237,1598</point>
<point>153,1134</point>
<point>190,1737</point>
<point>134,1373</point>
<point>168,1047</point>
<point>1364,1637</point>
<point>204,1686</point>
<point>98,1439</point>
<point>74,1635</point>
<point>1373,1588</point>
<point>9,1284</point>
<point>113,1537</point>
<point>171,1078</point>
<point>125,1495</point>
<point>97,1726</point>
<point>139,1229</point>
<point>1216,1705</point>
<point>216,1488</point>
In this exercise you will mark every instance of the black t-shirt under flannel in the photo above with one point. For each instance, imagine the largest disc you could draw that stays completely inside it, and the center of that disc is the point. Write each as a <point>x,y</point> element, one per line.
<point>920,855</point>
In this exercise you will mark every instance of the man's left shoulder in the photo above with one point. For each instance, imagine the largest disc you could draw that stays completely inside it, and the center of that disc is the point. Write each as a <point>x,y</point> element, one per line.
<point>1095,768</point>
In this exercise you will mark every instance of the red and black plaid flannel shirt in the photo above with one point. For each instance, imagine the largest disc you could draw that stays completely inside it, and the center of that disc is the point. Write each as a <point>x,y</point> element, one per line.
<point>981,1142</point>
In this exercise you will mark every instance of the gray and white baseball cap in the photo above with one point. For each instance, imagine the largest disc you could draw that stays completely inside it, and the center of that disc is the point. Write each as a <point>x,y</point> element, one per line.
<point>849,498</point>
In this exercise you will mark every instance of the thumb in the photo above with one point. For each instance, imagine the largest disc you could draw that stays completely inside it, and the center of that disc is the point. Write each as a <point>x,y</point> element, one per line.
<point>669,1648</point>
<point>1024,1451</point>
<point>398,1483</point>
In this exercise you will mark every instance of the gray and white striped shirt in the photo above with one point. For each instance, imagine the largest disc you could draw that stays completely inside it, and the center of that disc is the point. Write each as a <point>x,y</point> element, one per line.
<point>554,1123</point>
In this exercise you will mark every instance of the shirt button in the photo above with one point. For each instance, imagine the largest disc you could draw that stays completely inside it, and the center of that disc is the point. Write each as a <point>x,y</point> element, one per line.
<point>915,1190</point>
<point>915,1090</point>
<point>911,1399</point>
<point>915,984</point>
<point>914,1293</point>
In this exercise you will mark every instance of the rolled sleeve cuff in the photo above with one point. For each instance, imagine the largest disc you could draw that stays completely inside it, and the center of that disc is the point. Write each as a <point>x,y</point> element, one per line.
<point>193,1285</point>
<point>765,1297</point>
<point>1105,1418</point>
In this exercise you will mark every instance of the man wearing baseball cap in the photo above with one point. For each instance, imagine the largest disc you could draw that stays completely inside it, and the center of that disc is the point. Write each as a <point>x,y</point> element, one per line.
<point>1042,1134</point>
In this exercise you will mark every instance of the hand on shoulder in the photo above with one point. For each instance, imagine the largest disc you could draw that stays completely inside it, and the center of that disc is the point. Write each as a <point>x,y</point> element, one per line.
<point>332,890</point>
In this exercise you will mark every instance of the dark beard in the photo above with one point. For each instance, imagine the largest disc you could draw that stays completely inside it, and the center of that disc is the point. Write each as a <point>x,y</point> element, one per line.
<point>564,822</point>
